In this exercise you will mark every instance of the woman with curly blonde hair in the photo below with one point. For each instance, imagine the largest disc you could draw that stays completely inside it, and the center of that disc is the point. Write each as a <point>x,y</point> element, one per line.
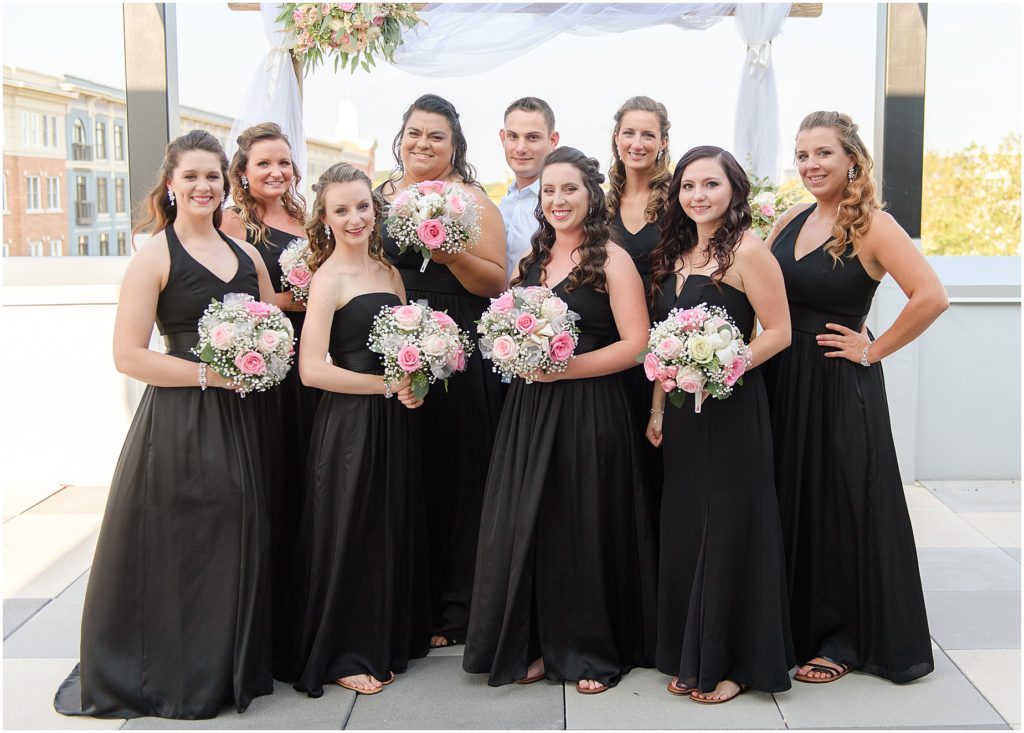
<point>855,590</point>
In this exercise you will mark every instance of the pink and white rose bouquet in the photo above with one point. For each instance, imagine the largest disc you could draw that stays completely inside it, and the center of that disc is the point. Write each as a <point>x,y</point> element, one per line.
<point>768,203</point>
<point>418,342</point>
<point>434,215</point>
<point>695,351</point>
<point>246,340</point>
<point>295,272</point>
<point>526,329</point>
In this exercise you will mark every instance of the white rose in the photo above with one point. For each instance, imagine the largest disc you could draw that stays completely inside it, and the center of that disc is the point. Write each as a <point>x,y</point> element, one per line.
<point>700,349</point>
<point>554,308</point>
<point>435,345</point>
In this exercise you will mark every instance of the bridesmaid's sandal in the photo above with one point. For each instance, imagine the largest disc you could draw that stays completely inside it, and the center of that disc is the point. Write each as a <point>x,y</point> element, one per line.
<point>590,690</point>
<point>529,679</point>
<point>701,697</point>
<point>360,690</point>
<point>831,669</point>
<point>440,641</point>
<point>676,689</point>
<point>389,680</point>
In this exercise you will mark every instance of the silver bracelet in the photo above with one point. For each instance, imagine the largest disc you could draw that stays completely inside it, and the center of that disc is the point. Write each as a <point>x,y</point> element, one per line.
<point>657,412</point>
<point>864,356</point>
<point>202,376</point>
<point>387,389</point>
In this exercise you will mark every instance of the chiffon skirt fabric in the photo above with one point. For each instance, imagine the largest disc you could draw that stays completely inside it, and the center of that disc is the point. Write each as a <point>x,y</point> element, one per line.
<point>855,587</point>
<point>176,616</point>
<point>565,568</point>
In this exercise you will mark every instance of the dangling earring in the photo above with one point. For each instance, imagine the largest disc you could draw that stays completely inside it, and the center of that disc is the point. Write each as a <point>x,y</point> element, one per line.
<point>590,211</point>
<point>245,183</point>
<point>327,231</point>
<point>658,157</point>
<point>170,196</point>
<point>851,174</point>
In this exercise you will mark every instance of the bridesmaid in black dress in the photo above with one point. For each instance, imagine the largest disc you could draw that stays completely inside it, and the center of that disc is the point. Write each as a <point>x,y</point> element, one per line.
<point>855,589</point>
<point>565,578</point>
<point>176,616</point>
<point>638,182</point>
<point>431,146</point>
<point>722,616</point>
<point>360,574</point>
<point>269,214</point>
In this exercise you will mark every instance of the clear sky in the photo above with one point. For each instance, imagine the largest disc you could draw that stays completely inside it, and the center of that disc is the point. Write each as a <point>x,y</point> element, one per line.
<point>974,74</point>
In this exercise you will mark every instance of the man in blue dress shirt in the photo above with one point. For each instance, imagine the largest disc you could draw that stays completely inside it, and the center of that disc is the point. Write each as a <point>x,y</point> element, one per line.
<point>527,136</point>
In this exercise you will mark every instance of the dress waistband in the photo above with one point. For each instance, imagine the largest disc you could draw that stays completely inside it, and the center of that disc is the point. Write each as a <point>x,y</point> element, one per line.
<point>180,342</point>
<point>363,361</point>
<point>813,321</point>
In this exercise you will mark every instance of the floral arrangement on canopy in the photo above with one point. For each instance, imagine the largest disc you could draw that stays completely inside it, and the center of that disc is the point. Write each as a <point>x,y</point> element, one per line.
<point>768,203</point>
<point>352,33</point>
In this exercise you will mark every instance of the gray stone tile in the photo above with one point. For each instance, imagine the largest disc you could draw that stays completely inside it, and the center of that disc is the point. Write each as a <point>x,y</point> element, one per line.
<point>74,500</point>
<point>19,610</point>
<point>944,698</point>
<point>285,709</point>
<point>641,701</point>
<point>1013,552</point>
<point>29,687</point>
<point>437,694</point>
<point>974,619</point>
<point>55,631</point>
<point>447,651</point>
<point>967,569</point>
<point>1003,528</point>
<point>996,674</point>
<point>977,496</point>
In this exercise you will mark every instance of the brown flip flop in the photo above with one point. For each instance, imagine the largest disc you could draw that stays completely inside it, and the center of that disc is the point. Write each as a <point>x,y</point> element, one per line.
<point>675,689</point>
<point>702,701</point>
<point>587,691</point>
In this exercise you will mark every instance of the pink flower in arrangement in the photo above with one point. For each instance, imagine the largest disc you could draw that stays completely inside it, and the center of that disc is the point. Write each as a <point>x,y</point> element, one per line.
<point>378,20</point>
<point>458,361</point>
<point>734,371</point>
<point>401,200</point>
<point>347,7</point>
<point>222,336</point>
<point>260,309</point>
<point>504,348</point>
<point>442,319</point>
<point>668,385</point>
<point>768,210</point>
<point>251,363</point>
<point>409,359</point>
<point>456,205</point>
<point>269,340</point>
<point>669,348</point>
<point>408,317</point>
<point>299,277</point>
<point>503,303</point>
<point>691,319</point>
<point>691,380</point>
<point>526,323</point>
<point>298,15</point>
<point>431,187</point>
<point>325,8</point>
<point>432,233</point>
<point>668,372</point>
<point>651,367</point>
<point>561,347</point>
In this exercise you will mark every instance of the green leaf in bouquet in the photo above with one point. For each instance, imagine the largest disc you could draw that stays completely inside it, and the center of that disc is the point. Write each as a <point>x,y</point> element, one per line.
<point>420,385</point>
<point>208,354</point>
<point>286,12</point>
<point>642,355</point>
<point>677,398</point>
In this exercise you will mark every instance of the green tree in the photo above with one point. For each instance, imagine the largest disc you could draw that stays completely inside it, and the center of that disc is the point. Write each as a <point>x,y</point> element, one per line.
<point>971,201</point>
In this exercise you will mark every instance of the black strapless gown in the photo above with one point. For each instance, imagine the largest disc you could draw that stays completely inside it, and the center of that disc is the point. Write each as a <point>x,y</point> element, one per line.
<point>290,409</point>
<point>176,622</point>
<point>721,585</point>
<point>464,419</point>
<point>854,584</point>
<point>566,563</point>
<point>360,575</point>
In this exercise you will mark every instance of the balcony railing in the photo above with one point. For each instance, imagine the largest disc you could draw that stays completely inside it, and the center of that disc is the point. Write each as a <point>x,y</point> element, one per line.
<point>85,212</point>
<point>81,152</point>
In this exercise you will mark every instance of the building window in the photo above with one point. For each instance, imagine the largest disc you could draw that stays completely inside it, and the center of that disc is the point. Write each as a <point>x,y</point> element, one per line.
<point>104,244</point>
<point>79,133</point>
<point>56,248</point>
<point>46,131</point>
<point>35,249</point>
<point>7,250</point>
<point>52,192</point>
<point>118,142</point>
<point>81,193</point>
<point>119,195</point>
<point>30,128</point>
<point>32,191</point>
<point>101,141</point>
<point>101,196</point>
<point>122,244</point>
<point>83,245</point>
<point>53,131</point>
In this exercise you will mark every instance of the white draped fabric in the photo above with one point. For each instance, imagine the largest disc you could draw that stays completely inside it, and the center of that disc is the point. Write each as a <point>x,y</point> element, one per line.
<point>273,94</point>
<point>757,110</point>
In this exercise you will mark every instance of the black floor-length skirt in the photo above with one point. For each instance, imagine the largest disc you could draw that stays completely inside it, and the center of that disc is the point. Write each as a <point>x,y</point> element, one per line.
<point>176,616</point>
<point>565,566</point>
<point>361,577</point>
<point>855,587</point>
<point>722,590</point>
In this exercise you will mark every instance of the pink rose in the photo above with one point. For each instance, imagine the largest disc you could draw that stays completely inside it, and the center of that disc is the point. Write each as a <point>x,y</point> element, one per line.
<point>409,359</point>
<point>691,319</point>
<point>430,186</point>
<point>671,371</point>
<point>734,371</point>
<point>260,309</point>
<point>669,348</point>
<point>767,210</point>
<point>458,361</point>
<point>504,348</point>
<point>561,347</point>
<point>668,385</point>
<point>299,277</point>
<point>347,7</point>
<point>553,308</point>
<point>378,20</point>
<point>503,303</point>
<point>431,232</point>
<point>456,205</point>
<point>401,200</point>
<point>298,15</point>
<point>691,380</point>
<point>526,323</point>
<point>222,336</point>
<point>408,317</point>
<point>251,363</point>
<point>269,340</point>
<point>442,319</point>
<point>651,366</point>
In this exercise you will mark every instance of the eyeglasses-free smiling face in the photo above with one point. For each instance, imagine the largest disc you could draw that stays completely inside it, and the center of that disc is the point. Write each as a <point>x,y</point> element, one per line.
<point>348,211</point>
<point>639,139</point>
<point>822,162</point>
<point>426,147</point>
<point>269,169</point>
<point>527,142</point>
<point>197,182</point>
<point>705,192</point>
<point>563,197</point>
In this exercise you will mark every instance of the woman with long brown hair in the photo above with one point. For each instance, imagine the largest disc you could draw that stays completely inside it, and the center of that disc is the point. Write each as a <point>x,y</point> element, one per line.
<point>175,622</point>
<point>360,578</point>
<point>565,579</point>
<point>722,621</point>
<point>855,589</point>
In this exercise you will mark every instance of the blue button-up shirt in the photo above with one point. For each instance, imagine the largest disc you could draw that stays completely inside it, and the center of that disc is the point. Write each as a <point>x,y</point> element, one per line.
<point>517,210</point>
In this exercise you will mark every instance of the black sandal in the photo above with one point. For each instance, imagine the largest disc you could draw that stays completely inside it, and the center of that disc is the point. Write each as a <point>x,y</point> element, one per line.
<point>840,670</point>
